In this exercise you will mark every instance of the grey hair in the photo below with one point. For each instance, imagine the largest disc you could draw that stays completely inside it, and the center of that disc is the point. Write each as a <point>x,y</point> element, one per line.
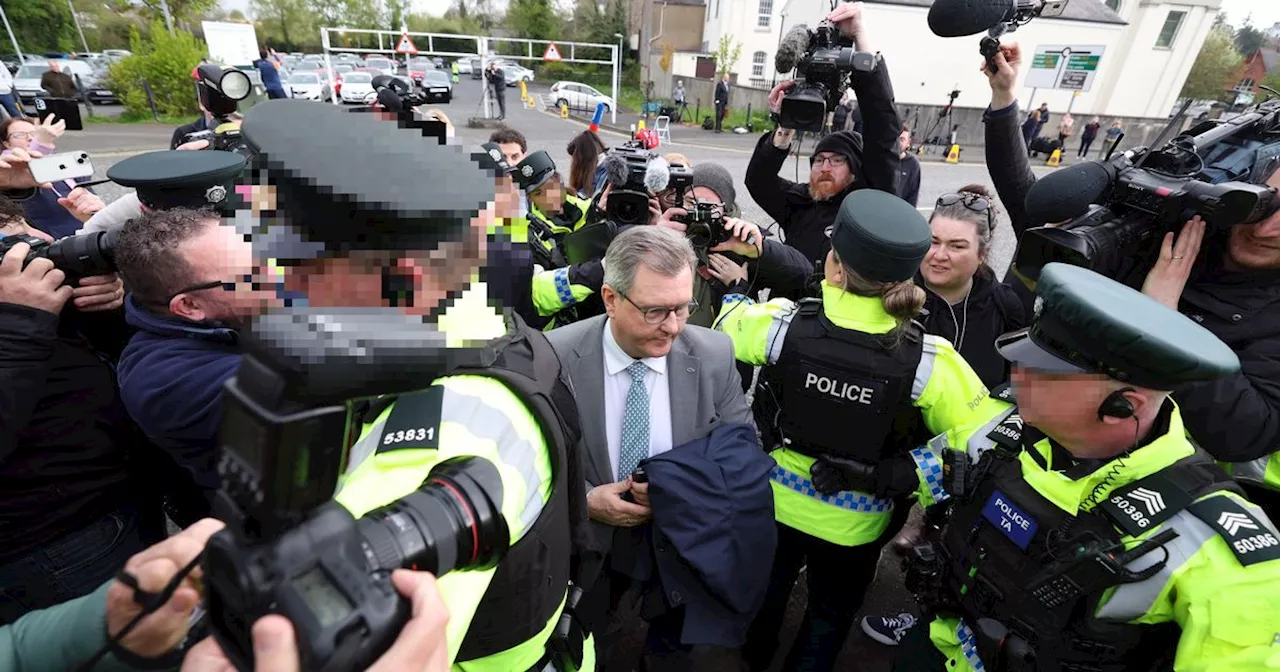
<point>661,249</point>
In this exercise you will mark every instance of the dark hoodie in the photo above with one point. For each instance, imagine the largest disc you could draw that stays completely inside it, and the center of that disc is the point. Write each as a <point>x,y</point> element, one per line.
<point>973,324</point>
<point>171,377</point>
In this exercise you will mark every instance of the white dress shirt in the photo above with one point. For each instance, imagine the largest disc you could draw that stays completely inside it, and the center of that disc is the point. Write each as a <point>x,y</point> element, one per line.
<point>617,382</point>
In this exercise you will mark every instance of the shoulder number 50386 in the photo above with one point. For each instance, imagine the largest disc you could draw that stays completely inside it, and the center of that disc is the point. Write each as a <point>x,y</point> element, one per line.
<point>419,434</point>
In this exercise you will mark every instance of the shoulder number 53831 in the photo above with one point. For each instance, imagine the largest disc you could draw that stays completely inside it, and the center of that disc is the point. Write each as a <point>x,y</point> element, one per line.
<point>419,434</point>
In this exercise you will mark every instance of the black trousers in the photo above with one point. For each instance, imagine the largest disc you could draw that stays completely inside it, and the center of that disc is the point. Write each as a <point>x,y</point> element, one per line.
<point>838,577</point>
<point>1085,143</point>
<point>720,110</point>
<point>916,652</point>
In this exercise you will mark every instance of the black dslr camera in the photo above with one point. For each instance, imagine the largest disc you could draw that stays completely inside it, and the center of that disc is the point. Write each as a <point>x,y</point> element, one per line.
<point>630,169</point>
<point>822,77</point>
<point>220,91</point>
<point>305,383</point>
<point>704,228</point>
<point>1119,209</point>
<point>78,257</point>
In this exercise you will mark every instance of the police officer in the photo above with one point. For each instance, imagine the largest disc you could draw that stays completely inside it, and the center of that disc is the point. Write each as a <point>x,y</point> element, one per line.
<point>847,377</point>
<point>347,237</point>
<point>169,179</point>
<point>555,214</point>
<point>1085,530</point>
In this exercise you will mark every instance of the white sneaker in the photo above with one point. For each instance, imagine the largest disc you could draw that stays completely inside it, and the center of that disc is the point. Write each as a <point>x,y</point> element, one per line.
<point>888,630</point>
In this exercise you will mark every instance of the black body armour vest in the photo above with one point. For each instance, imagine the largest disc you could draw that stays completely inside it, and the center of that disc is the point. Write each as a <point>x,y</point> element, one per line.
<point>1005,541</point>
<point>842,392</point>
<point>531,580</point>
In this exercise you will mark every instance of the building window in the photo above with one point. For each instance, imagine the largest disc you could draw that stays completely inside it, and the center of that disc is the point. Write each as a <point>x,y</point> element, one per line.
<point>1245,84</point>
<point>1114,5</point>
<point>1170,30</point>
<point>757,64</point>
<point>766,11</point>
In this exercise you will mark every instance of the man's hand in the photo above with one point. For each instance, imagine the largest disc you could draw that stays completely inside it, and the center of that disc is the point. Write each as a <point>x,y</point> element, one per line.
<point>776,94</point>
<point>725,271</point>
<point>655,211</point>
<point>668,219</point>
<point>48,131</point>
<point>14,172</point>
<point>98,293</point>
<point>1166,280</point>
<point>154,568</point>
<point>639,492</point>
<point>81,203</point>
<point>421,645</point>
<point>606,505</point>
<point>38,286</point>
<point>744,238</point>
<point>1008,61</point>
<point>848,18</point>
<point>194,145</point>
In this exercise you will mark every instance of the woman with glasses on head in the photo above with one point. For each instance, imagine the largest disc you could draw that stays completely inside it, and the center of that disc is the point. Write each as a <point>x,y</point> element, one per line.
<point>850,383</point>
<point>966,302</point>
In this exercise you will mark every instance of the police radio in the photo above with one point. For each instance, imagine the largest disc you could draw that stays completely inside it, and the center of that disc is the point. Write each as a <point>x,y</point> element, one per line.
<point>1093,565</point>
<point>287,548</point>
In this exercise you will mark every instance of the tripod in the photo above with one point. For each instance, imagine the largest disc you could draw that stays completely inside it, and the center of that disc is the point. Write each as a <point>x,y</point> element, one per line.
<point>945,113</point>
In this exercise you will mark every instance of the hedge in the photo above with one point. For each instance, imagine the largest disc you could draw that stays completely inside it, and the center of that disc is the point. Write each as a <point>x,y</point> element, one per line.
<point>165,62</point>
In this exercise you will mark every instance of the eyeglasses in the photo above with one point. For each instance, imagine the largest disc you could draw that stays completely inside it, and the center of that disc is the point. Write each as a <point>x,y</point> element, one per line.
<point>22,135</point>
<point>658,314</point>
<point>836,160</point>
<point>227,286</point>
<point>971,201</point>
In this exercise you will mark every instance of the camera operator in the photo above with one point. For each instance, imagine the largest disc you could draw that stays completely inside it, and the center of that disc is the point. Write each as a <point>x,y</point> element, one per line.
<point>421,261</point>
<point>69,514</point>
<point>1232,288</point>
<point>184,269</point>
<point>839,164</point>
<point>497,82</point>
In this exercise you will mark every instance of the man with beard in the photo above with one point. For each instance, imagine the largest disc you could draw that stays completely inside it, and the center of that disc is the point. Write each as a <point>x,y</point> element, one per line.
<point>839,163</point>
<point>184,269</point>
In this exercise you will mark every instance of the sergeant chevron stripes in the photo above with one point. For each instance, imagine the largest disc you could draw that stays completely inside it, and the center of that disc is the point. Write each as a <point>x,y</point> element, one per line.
<point>1232,522</point>
<point>1149,498</point>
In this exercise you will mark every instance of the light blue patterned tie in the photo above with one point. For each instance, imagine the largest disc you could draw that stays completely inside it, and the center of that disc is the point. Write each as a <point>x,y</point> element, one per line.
<point>635,423</point>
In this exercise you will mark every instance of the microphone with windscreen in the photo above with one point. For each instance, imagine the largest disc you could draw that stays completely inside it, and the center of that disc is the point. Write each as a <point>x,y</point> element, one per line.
<point>1068,192</point>
<point>958,18</point>
<point>791,49</point>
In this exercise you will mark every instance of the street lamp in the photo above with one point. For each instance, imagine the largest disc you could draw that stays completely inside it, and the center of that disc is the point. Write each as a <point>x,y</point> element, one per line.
<point>76,18</point>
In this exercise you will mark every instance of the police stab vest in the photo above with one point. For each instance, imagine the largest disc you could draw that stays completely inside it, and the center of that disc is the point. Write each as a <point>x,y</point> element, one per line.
<point>842,392</point>
<point>531,580</point>
<point>1005,545</point>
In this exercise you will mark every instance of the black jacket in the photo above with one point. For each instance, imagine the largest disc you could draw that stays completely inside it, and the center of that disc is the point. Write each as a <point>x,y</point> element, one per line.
<point>64,435</point>
<point>803,220</point>
<point>722,94</point>
<point>909,179</point>
<point>972,325</point>
<point>180,133</point>
<point>1235,419</point>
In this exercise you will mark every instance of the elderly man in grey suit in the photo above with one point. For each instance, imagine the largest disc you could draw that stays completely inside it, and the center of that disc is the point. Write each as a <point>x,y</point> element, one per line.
<point>645,381</point>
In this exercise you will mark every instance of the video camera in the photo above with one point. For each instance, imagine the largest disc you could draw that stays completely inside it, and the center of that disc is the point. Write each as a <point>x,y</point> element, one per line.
<point>1117,210</point>
<point>221,90</point>
<point>704,227</point>
<point>308,377</point>
<point>81,256</point>
<point>635,175</point>
<point>822,60</point>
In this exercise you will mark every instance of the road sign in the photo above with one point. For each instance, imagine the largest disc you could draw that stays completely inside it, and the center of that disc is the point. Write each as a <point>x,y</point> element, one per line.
<point>1070,67</point>
<point>406,45</point>
<point>552,54</point>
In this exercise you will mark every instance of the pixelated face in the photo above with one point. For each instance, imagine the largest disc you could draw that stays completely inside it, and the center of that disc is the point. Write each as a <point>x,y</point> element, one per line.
<point>829,175</point>
<point>1256,247</point>
<point>953,257</point>
<point>1062,405</point>
<point>549,198</point>
<point>222,254</point>
<point>20,135</point>
<point>507,198</point>
<point>512,151</point>
<point>649,290</point>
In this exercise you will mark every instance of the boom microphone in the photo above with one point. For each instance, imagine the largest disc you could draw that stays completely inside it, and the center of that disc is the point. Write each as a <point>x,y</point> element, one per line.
<point>1067,193</point>
<point>389,100</point>
<point>657,175</point>
<point>791,49</point>
<point>957,18</point>
<point>615,171</point>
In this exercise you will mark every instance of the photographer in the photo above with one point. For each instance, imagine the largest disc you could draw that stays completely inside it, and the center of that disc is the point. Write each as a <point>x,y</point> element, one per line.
<point>839,163</point>
<point>1232,288</point>
<point>69,514</point>
<point>497,82</point>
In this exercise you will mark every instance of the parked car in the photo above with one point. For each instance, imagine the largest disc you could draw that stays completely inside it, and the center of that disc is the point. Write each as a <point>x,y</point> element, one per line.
<point>98,91</point>
<point>464,66</point>
<point>475,68</point>
<point>385,65</point>
<point>418,67</point>
<point>578,96</point>
<point>437,85</point>
<point>347,57</point>
<point>357,88</point>
<point>116,54</point>
<point>27,80</point>
<point>310,86</point>
<point>514,74</point>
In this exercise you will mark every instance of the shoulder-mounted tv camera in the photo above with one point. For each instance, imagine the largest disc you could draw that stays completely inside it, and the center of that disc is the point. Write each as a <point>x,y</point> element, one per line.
<point>822,59</point>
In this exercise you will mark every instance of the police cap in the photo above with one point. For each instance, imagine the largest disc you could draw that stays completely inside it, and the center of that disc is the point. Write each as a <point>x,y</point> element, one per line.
<point>1085,323</point>
<point>880,236</point>
<point>491,159</point>
<point>534,170</point>
<point>356,182</point>
<point>180,179</point>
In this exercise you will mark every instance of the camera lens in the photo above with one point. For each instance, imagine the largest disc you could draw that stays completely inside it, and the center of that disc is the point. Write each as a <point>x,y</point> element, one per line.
<point>84,255</point>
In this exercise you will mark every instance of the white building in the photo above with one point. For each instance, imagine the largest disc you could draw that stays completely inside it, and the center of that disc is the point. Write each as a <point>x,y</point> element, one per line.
<point>1149,47</point>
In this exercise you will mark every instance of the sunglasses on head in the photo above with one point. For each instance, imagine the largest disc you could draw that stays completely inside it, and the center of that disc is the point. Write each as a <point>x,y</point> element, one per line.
<point>971,201</point>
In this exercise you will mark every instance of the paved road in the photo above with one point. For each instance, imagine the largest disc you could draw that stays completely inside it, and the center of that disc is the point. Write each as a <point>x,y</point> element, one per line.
<point>544,130</point>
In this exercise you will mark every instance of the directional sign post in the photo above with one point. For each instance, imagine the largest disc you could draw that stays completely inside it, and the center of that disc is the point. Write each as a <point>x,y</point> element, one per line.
<point>1064,67</point>
<point>552,54</point>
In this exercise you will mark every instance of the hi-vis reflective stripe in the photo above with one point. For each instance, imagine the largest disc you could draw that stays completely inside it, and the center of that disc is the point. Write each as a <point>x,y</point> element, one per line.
<point>778,332</point>
<point>563,290</point>
<point>925,370</point>
<point>1253,472</point>
<point>482,422</point>
<point>1131,601</point>
<point>969,644</point>
<point>846,499</point>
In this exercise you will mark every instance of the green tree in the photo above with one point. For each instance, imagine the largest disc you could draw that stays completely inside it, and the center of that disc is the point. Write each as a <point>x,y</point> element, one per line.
<point>1249,39</point>
<point>41,25</point>
<point>1272,80</point>
<point>1215,68</point>
<point>533,19</point>
<point>182,11</point>
<point>397,12</point>
<point>288,21</point>
<point>726,54</point>
<point>165,63</point>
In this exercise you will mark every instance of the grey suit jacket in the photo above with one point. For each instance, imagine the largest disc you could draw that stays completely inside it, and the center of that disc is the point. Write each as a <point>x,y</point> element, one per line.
<point>704,386</point>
